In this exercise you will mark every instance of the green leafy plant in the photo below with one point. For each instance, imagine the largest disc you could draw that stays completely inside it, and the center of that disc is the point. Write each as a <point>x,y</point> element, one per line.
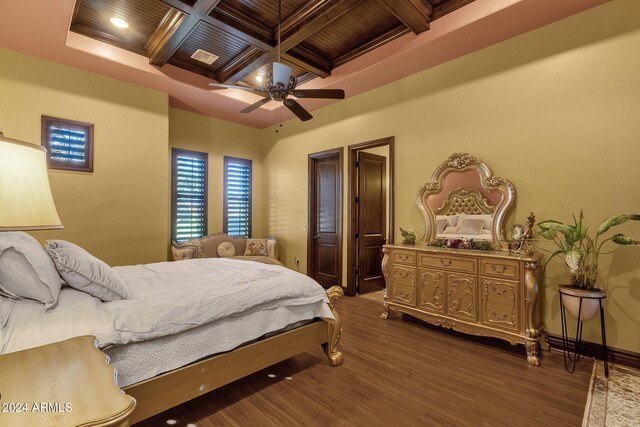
<point>580,250</point>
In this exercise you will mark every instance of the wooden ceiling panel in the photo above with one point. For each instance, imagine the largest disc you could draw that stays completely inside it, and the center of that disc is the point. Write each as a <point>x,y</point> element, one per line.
<point>263,11</point>
<point>347,33</point>
<point>212,40</point>
<point>92,19</point>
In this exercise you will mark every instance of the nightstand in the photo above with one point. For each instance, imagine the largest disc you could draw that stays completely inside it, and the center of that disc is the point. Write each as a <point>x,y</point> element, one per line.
<point>68,383</point>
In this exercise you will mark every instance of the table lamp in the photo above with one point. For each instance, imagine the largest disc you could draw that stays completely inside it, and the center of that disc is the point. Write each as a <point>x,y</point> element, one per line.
<point>26,202</point>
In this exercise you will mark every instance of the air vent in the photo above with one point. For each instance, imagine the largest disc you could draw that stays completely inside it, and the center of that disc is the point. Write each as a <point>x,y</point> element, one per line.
<point>204,56</point>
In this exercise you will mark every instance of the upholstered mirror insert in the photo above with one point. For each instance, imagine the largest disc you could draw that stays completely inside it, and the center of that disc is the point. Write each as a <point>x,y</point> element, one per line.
<point>464,200</point>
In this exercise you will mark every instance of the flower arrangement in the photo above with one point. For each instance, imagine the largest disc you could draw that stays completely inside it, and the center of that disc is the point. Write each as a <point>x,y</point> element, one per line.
<point>481,245</point>
<point>580,250</point>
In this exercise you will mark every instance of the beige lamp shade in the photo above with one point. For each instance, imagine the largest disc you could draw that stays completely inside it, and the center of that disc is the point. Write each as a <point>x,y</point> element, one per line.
<point>26,202</point>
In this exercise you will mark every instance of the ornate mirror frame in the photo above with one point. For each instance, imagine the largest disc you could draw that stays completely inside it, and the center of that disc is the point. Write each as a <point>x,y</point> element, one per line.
<point>462,162</point>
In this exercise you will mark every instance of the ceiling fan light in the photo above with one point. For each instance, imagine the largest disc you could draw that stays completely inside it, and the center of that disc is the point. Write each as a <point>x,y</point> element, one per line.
<point>259,79</point>
<point>119,22</point>
<point>281,74</point>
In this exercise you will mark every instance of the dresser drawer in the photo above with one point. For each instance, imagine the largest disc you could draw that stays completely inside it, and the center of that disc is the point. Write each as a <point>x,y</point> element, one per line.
<point>403,257</point>
<point>499,268</point>
<point>466,265</point>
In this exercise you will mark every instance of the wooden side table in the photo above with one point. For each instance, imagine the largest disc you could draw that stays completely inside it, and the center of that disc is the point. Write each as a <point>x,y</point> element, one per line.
<point>68,383</point>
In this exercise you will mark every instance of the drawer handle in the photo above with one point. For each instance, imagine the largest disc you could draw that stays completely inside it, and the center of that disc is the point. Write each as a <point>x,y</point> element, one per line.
<point>404,257</point>
<point>500,270</point>
<point>447,263</point>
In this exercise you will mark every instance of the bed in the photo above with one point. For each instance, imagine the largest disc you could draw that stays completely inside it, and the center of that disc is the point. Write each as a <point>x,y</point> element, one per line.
<point>187,327</point>
<point>464,214</point>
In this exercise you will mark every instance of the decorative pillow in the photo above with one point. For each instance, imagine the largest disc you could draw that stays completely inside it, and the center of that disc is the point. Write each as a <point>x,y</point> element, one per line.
<point>26,272</point>
<point>471,226</point>
<point>86,273</point>
<point>452,220</point>
<point>450,230</point>
<point>226,250</point>
<point>487,220</point>
<point>441,223</point>
<point>256,247</point>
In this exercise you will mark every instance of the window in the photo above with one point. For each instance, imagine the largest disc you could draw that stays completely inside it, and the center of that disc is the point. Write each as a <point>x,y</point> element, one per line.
<point>237,197</point>
<point>188,194</point>
<point>69,144</point>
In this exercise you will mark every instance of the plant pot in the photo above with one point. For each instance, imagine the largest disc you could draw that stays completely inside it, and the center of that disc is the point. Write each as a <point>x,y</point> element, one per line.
<point>590,301</point>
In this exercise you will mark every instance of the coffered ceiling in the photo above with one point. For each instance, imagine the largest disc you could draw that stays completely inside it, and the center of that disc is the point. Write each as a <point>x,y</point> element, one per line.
<point>355,45</point>
<point>241,35</point>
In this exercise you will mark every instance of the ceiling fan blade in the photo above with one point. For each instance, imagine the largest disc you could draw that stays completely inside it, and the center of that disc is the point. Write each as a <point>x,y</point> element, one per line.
<point>247,88</point>
<point>298,110</point>
<point>319,93</point>
<point>256,105</point>
<point>281,74</point>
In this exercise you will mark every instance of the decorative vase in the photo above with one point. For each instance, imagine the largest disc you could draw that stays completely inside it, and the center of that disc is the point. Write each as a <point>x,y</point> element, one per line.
<point>590,301</point>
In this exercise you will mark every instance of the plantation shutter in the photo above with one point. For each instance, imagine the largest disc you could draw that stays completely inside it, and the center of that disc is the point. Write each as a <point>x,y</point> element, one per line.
<point>69,144</point>
<point>189,195</point>
<point>237,197</point>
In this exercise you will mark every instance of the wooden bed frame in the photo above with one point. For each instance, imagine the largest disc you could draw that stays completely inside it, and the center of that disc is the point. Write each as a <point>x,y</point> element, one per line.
<point>172,388</point>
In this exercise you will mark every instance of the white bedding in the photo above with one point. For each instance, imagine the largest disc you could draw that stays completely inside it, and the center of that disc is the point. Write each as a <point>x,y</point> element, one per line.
<point>143,360</point>
<point>167,298</point>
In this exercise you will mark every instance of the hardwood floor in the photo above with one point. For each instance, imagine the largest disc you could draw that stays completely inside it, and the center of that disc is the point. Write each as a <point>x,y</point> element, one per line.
<point>397,373</point>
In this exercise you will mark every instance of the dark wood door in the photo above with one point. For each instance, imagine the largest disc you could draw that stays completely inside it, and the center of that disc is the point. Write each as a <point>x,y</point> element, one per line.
<point>372,220</point>
<point>325,218</point>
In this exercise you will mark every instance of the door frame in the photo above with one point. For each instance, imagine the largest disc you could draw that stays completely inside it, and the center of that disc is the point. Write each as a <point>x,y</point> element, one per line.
<point>351,225</point>
<point>311,202</point>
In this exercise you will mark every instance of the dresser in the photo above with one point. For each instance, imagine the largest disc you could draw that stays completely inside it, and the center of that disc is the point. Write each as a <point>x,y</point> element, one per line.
<point>482,293</point>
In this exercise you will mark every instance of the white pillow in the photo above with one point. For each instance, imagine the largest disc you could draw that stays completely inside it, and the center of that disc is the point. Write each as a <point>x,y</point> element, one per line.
<point>471,226</point>
<point>452,220</point>
<point>441,224</point>
<point>487,220</point>
<point>86,273</point>
<point>450,230</point>
<point>26,272</point>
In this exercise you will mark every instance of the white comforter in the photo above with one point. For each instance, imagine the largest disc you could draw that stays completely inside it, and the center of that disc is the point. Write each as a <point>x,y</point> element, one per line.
<point>167,298</point>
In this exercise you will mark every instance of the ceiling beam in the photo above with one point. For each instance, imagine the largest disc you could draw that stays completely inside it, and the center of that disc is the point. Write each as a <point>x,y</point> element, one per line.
<point>174,30</point>
<point>415,14</point>
<point>310,18</point>
<point>247,60</point>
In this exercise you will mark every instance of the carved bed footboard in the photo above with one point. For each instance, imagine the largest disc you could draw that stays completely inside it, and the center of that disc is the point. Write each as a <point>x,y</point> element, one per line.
<point>175,387</point>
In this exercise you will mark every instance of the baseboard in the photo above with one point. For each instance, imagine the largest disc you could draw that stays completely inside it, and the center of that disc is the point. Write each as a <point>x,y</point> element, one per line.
<point>590,349</point>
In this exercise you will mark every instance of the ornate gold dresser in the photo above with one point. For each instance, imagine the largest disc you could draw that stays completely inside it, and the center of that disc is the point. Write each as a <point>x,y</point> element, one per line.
<point>480,292</point>
<point>484,293</point>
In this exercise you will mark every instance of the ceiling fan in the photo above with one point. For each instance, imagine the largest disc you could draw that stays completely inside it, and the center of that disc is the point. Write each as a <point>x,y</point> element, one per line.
<point>280,85</point>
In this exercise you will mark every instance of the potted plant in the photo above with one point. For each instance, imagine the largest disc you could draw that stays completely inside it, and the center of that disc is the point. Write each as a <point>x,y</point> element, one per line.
<point>580,251</point>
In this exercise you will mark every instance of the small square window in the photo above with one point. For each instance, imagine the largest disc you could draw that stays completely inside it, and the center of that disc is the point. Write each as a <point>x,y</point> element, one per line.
<point>69,144</point>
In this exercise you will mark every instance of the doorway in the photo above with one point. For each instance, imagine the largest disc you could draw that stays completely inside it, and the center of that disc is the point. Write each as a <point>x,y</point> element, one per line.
<point>370,213</point>
<point>324,241</point>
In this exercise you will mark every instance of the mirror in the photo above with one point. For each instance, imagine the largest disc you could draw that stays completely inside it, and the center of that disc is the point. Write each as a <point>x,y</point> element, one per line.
<point>465,201</point>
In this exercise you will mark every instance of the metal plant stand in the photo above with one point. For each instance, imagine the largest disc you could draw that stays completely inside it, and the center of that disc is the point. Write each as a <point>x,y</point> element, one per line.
<point>570,358</point>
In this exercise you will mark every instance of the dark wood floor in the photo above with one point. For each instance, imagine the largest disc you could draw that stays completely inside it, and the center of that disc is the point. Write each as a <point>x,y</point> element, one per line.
<point>398,373</point>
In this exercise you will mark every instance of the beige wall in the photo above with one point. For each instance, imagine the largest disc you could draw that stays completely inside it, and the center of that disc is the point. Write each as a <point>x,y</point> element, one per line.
<point>120,212</point>
<point>555,110</point>
<point>220,138</point>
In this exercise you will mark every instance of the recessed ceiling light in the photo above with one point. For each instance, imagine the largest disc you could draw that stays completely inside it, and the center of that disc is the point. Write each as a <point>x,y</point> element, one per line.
<point>259,78</point>
<point>119,22</point>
